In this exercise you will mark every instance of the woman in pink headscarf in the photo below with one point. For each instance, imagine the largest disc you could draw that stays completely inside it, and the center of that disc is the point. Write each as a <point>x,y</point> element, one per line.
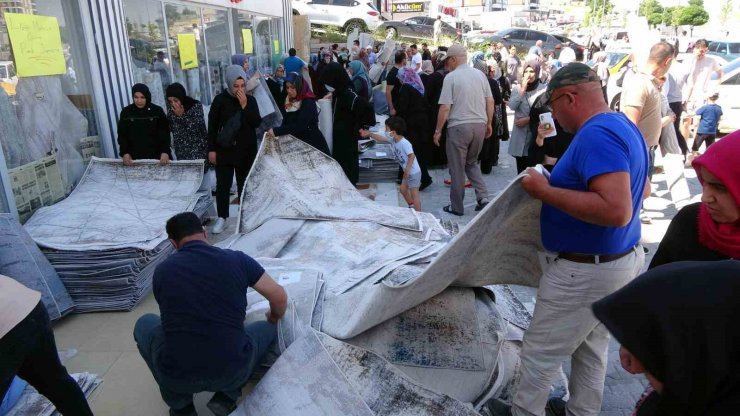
<point>710,229</point>
<point>413,108</point>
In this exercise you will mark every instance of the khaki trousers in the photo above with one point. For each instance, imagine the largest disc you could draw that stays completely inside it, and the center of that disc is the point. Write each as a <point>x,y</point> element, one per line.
<point>464,143</point>
<point>564,326</point>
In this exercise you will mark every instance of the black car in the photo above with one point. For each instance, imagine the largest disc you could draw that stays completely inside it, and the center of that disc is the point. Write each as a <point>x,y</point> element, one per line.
<point>579,49</point>
<point>524,39</point>
<point>417,27</point>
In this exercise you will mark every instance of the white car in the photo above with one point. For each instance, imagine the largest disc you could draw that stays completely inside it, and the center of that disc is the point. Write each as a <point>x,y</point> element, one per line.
<point>345,14</point>
<point>729,97</point>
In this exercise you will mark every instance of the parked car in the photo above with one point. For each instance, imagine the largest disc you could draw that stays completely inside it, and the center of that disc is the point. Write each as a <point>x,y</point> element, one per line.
<point>418,27</point>
<point>345,14</point>
<point>729,97</point>
<point>728,50</point>
<point>579,49</point>
<point>8,78</point>
<point>524,39</point>
<point>615,61</point>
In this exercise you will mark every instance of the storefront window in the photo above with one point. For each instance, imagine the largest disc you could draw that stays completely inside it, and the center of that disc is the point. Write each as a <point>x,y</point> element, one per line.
<point>263,44</point>
<point>218,48</point>
<point>186,20</point>
<point>149,55</point>
<point>49,127</point>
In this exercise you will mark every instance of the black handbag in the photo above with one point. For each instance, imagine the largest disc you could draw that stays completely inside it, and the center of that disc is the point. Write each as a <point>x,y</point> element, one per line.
<point>227,135</point>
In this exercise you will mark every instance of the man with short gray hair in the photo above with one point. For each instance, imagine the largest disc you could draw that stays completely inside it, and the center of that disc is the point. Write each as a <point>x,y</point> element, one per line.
<point>466,105</point>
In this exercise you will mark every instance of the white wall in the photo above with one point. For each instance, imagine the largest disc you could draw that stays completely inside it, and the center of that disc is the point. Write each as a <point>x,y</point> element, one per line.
<point>266,7</point>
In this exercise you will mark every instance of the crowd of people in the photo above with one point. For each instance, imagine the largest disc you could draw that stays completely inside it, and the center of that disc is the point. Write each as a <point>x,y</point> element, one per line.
<point>675,322</point>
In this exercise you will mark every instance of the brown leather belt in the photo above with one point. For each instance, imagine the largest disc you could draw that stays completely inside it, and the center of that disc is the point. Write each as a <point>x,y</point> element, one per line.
<point>593,258</point>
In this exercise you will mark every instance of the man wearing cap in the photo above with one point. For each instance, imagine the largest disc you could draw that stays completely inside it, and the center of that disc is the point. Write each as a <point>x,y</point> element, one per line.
<point>591,231</point>
<point>466,105</point>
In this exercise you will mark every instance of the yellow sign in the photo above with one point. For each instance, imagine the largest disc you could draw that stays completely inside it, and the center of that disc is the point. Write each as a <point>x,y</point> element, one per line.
<point>37,44</point>
<point>188,51</point>
<point>248,43</point>
<point>276,46</point>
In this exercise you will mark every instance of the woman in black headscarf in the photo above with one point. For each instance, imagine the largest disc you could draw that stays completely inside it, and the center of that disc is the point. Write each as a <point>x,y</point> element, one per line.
<point>677,324</point>
<point>300,114</point>
<point>143,131</point>
<point>236,115</point>
<point>351,113</point>
<point>188,126</point>
<point>433,89</point>
<point>488,155</point>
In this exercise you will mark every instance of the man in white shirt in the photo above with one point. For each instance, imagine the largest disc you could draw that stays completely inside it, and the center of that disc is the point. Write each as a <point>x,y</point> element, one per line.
<point>567,55</point>
<point>437,29</point>
<point>416,59</point>
<point>698,73</point>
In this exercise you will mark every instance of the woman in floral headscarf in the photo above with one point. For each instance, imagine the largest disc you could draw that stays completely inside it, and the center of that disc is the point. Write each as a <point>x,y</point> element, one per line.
<point>521,102</point>
<point>300,114</point>
<point>413,108</point>
<point>361,83</point>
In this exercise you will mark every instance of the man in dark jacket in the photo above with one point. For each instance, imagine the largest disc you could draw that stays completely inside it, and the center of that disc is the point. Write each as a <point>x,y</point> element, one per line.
<point>143,130</point>
<point>237,153</point>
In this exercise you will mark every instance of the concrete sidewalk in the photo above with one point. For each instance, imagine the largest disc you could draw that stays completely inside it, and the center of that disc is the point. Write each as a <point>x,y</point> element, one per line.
<point>103,342</point>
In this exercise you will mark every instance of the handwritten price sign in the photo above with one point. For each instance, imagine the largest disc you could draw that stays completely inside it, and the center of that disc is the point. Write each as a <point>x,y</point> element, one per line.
<point>37,44</point>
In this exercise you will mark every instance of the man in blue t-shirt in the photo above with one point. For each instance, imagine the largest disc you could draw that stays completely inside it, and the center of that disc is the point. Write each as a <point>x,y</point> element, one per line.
<point>293,63</point>
<point>590,224</point>
<point>710,114</point>
<point>200,342</point>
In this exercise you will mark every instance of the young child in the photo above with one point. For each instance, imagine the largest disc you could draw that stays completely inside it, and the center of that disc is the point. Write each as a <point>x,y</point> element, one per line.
<point>395,128</point>
<point>707,131</point>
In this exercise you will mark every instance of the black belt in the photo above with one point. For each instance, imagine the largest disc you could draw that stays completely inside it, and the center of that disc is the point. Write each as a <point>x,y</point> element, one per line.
<point>593,258</point>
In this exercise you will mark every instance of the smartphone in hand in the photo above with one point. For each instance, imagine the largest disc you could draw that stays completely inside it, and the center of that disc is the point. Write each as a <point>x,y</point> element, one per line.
<point>548,123</point>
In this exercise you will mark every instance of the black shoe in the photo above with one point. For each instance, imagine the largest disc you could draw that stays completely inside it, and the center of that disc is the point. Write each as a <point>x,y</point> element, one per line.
<point>188,410</point>
<point>221,405</point>
<point>555,407</point>
<point>482,204</point>
<point>486,168</point>
<point>425,184</point>
<point>449,210</point>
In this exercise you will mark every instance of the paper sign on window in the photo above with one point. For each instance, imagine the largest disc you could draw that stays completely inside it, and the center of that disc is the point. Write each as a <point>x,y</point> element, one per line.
<point>276,46</point>
<point>248,43</point>
<point>188,51</point>
<point>37,44</point>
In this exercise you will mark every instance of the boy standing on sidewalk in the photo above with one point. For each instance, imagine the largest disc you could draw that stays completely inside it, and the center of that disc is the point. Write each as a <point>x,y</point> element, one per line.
<point>395,128</point>
<point>706,133</point>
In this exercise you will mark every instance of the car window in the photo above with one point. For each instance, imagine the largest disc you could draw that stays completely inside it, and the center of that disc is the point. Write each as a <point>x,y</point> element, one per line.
<point>415,21</point>
<point>447,26</point>
<point>734,48</point>
<point>518,34</point>
<point>3,72</point>
<point>532,35</point>
<point>733,80</point>
<point>721,48</point>
<point>345,3</point>
<point>320,1</point>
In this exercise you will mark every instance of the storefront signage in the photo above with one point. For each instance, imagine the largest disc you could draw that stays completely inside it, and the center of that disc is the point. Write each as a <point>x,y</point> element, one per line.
<point>188,51</point>
<point>248,42</point>
<point>407,7</point>
<point>37,44</point>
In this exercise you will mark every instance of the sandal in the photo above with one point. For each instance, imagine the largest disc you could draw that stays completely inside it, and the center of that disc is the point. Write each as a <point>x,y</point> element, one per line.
<point>449,210</point>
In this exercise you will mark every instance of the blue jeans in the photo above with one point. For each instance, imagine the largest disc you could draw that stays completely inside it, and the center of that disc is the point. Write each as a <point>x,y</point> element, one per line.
<point>178,393</point>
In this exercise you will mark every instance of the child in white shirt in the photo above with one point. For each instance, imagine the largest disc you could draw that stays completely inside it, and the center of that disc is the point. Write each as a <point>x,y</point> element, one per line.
<point>395,128</point>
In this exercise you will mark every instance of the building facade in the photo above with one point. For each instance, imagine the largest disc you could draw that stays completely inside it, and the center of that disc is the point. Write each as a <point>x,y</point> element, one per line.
<point>53,124</point>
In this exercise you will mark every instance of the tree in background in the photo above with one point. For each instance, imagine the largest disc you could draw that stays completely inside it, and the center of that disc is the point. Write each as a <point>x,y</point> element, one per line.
<point>693,15</point>
<point>598,11</point>
<point>670,17</point>
<point>725,12</point>
<point>653,11</point>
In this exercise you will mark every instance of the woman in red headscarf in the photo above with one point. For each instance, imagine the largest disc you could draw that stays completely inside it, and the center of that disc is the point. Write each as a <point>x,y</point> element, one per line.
<point>710,229</point>
<point>300,114</point>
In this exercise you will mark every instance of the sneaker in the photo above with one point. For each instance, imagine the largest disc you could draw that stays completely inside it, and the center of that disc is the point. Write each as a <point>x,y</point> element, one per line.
<point>482,204</point>
<point>219,226</point>
<point>188,410</point>
<point>221,405</point>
